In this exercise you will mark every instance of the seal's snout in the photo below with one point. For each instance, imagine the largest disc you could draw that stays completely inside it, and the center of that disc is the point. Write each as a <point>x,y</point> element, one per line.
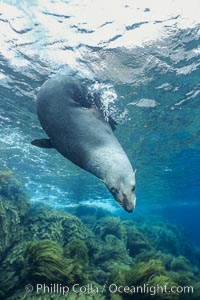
<point>129,203</point>
<point>125,198</point>
<point>129,210</point>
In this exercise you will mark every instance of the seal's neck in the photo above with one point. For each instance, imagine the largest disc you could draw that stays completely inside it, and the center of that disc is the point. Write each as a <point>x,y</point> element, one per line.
<point>107,162</point>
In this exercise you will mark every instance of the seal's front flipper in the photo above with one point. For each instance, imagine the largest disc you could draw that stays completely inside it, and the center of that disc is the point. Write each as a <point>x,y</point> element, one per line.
<point>42,143</point>
<point>112,123</point>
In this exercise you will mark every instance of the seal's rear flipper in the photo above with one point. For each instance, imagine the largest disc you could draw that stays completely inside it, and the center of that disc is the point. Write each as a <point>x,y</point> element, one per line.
<point>42,143</point>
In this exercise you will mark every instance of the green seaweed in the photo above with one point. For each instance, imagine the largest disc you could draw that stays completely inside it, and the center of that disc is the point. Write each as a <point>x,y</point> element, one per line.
<point>141,272</point>
<point>46,223</point>
<point>160,288</point>
<point>168,238</point>
<point>12,191</point>
<point>196,294</point>
<point>136,242</point>
<point>10,269</point>
<point>44,263</point>
<point>14,206</point>
<point>77,249</point>
<point>115,297</point>
<point>180,264</point>
<point>150,274</point>
<point>110,226</point>
<point>118,276</point>
<point>21,295</point>
<point>112,252</point>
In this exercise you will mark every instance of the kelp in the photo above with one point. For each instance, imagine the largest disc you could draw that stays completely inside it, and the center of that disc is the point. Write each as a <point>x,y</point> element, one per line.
<point>12,191</point>
<point>115,297</point>
<point>111,252</point>
<point>46,223</point>
<point>181,264</point>
<point>110,226</point>
<point>45,263</point>
<point>168,238</point>
<point>21,295</point>
<point>160,288</point>
<point>141,272</point>
<point>77,249</point>
<point>137,242</point>
<point>150,274</point>
<point>10,269</point>
<point>14,205</point>
<point>89,214</point>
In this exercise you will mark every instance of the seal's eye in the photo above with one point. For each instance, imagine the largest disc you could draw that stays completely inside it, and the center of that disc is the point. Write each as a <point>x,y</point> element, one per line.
<point>133,189</point>
<point>114,190</point>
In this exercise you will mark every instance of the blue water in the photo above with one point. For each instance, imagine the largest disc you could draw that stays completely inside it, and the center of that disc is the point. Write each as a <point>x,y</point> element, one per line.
<point>144,58</point>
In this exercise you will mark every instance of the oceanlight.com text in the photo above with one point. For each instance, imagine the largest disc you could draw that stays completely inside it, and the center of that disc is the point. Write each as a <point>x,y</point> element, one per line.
<point>150,289</point>
<point>112,288</point>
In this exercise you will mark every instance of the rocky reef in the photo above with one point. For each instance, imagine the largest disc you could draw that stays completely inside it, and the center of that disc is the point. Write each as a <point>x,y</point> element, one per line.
<point>50,254</point>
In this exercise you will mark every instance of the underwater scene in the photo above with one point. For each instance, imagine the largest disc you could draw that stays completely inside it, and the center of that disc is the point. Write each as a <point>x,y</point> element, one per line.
<point>110,210</point>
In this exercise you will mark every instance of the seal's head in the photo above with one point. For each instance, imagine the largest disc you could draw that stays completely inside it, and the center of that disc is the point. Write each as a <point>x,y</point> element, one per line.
<point>123,190</point>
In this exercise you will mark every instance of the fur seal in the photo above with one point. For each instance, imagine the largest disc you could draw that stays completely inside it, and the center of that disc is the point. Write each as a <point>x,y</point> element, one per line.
<point>78,128</point>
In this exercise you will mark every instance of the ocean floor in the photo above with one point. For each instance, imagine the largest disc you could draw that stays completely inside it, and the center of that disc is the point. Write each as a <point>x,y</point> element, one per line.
<point>90,254</point>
